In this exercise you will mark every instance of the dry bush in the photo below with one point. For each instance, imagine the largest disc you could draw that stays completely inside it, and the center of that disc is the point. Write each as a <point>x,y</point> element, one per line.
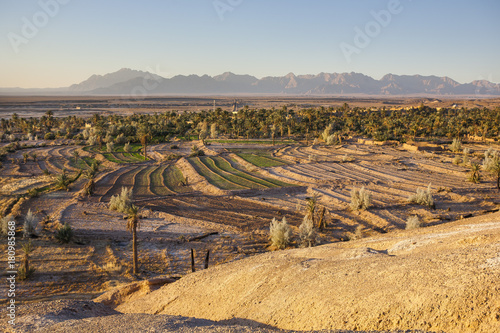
<point>92,140</point>
<point>326,132</point>
<point>457,160</point>
<point>346,158</point>
<point>120,139</point>
<point>313,158</point>
<point>213,131</point>
<point>64,233</point>
<point>456,146</point>
<point>29,226</point>
<point>413,222</point>
<point>4,224</point>
<point>358,233</point>
<point>126,147</point>
<point>110,146</point>
<point>360,199</point>
<point>331,139</point>
<point>474,175</point>
<point>422,197</point>
<point>111,266</point>
<point>307,234</point>
<point>279,233</point>
<point>121,202</point>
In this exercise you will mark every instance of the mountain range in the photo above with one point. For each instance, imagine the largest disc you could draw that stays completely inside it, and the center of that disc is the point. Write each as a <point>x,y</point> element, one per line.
<point>128,82</point>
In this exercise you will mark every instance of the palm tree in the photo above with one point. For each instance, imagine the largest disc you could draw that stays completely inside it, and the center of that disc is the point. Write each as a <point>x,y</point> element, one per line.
<point>132,225</point>
<point>90,174</point>
<point>76,154</point>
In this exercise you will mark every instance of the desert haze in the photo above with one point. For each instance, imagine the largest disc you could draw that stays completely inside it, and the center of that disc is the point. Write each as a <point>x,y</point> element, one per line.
<point>139,84</point>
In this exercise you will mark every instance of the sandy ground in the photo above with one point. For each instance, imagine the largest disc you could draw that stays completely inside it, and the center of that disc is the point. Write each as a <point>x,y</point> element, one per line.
<point>442,278</point>
<point>99,258</point>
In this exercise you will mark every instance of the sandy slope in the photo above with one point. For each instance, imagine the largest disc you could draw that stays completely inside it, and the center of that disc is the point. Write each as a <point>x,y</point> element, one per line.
<point>445,277</point>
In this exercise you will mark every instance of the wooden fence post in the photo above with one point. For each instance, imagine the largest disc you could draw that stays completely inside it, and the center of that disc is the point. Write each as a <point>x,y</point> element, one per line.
<point>192,261</point>
<point>207,258</point>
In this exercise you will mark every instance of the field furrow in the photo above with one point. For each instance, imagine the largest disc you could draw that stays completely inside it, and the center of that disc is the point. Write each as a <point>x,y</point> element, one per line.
<point>156,181</point>
<point>212,177</point>
<point>142,183</point>
<point>107,182</point>
<point>126,179</point>
<point>223,167</point>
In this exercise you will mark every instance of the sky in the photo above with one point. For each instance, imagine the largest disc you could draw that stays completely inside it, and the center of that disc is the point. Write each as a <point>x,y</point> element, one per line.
<point>55,43</point>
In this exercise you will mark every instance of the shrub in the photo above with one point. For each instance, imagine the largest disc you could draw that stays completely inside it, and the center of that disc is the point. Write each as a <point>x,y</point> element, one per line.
<point>64,233</point>
<point>491,164</point>
<point>360,199</point>
<point>358,233</point>
<point>346,158</point>
<point>456,146</point>
<point>213,131</point>
<point>49,136</point>
<point>110,146</point>
<point>279,233</point>
<point>307,234</point>
<point>25,271</point>
<point>29,225</point>
<point>313,158</point>
<point>121,202</point>
<point>413,222</point>
<point>326,133</point>
<point>423,197</point>
<point>126,147</point>
<point>4,224</point>
<point>172,157</point>
<point>120,139</point>
<point>92,140</point>
<point>195,151</point>
<point>474,175</point>
<point>466,160</point>
<point>457,160</point>
<point>63,181</point>
<point>331,139</point>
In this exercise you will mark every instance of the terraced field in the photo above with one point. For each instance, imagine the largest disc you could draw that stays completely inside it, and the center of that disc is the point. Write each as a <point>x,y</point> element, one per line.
<point>391,175</point>
<point>146,181</point>
<point>225,174</point>
<point>243,214</point>
<point>119,155</point>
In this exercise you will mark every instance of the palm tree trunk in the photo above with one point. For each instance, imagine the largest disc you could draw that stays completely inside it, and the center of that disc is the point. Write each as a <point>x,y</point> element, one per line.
<point>134,246</point>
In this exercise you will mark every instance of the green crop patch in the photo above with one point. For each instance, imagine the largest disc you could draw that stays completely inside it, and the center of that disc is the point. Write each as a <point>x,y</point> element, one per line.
<point>212,177</point>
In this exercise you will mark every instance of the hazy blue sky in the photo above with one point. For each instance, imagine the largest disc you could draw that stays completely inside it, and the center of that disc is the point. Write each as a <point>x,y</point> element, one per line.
<point>455,38</point>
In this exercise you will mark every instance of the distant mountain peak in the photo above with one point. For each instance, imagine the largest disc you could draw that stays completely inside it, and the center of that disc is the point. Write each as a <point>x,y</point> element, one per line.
<point>126,80</point>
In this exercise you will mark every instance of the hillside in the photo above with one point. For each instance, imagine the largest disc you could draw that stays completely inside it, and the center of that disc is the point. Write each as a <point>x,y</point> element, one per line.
<point>437,278</point>
<point>138,83</point>
<point>441,278</point>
